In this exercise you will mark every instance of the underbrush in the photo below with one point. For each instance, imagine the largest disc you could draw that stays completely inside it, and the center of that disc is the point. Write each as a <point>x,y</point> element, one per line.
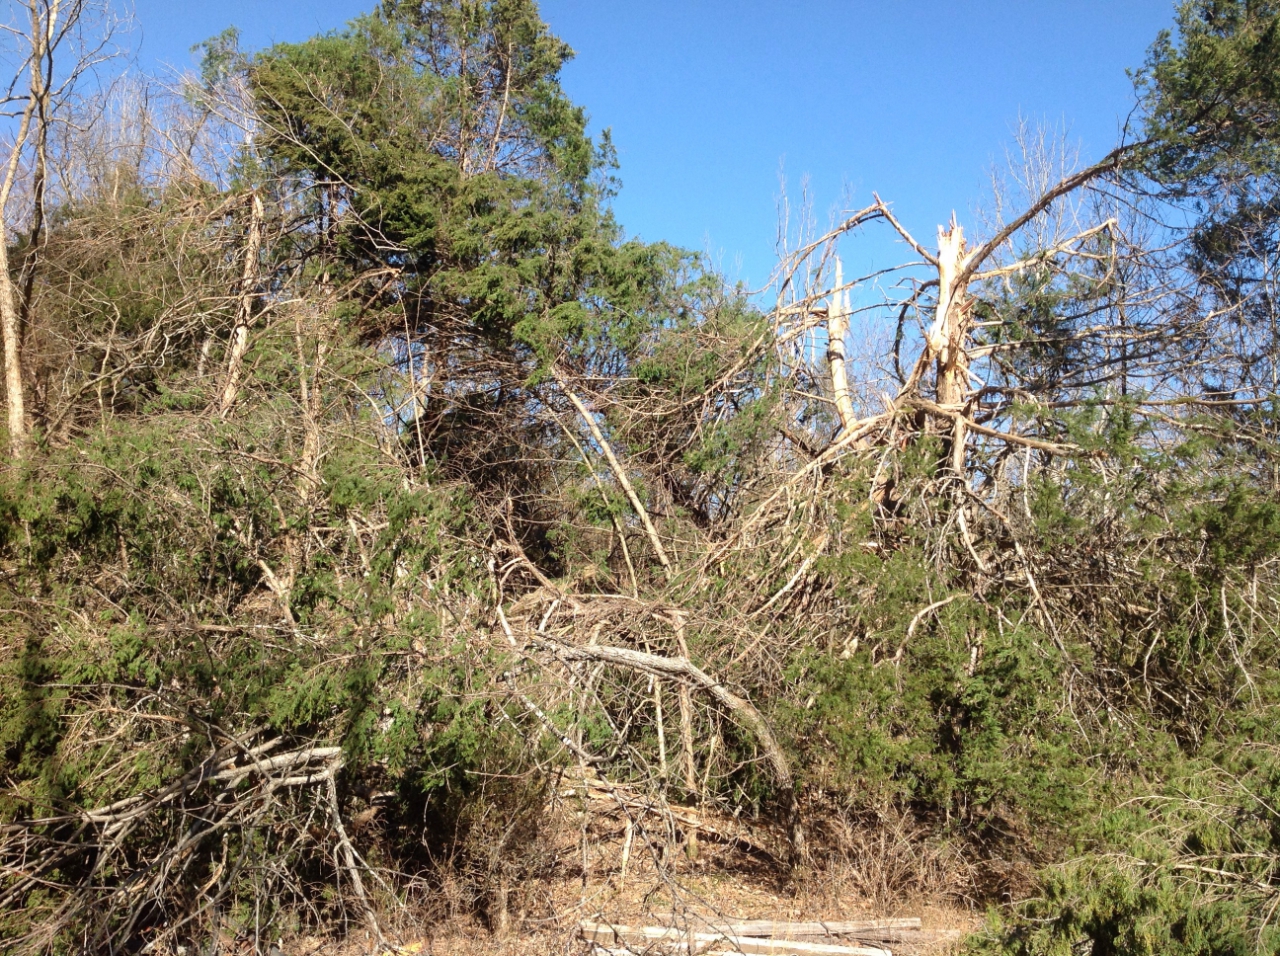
<point>1187,867</point>
<point>246,702</point>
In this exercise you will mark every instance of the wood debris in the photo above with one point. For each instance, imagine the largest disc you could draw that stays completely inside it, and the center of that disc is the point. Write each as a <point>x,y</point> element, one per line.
<point>751,937</point>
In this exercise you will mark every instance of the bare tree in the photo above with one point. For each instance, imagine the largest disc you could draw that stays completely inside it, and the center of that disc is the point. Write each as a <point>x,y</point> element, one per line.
<point>51,27</point>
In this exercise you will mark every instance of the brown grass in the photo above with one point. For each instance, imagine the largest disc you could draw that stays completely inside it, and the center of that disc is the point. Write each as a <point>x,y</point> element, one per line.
<point>879,871</point>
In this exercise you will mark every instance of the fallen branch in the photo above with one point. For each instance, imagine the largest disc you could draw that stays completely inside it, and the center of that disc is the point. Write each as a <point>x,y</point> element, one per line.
<point>351,858</point>
<point>618,471</point>
<point>611,935</point>
<point>1054,448</point>
<point>785,930</point>
<point>683,669</point>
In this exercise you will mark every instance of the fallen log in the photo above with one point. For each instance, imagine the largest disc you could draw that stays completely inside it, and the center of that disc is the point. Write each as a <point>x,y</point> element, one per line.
<point>611,936</point>
<point>786,930</point>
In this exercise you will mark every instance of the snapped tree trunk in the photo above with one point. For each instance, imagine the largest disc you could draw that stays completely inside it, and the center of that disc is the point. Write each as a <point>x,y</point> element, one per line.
<point>244,310</point>
<point>948,336</point>
<point>837,329</point>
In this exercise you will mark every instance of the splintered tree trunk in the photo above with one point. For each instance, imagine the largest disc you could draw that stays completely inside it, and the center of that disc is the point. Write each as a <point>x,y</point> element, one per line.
<point>948,335</point>
<point>837,329</point>
<point>244,311</point>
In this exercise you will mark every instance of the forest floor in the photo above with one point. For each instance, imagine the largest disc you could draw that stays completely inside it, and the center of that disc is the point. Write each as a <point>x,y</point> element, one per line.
<point>730,877</point>
<point>718,898</point>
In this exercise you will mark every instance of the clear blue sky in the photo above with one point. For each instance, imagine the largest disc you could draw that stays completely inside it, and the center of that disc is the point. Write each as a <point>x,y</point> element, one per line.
<point>709,99</point>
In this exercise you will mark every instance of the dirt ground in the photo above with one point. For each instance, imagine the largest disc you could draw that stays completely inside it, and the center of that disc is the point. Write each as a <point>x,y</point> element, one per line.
<point>713,900</point>
<point>600,873</point>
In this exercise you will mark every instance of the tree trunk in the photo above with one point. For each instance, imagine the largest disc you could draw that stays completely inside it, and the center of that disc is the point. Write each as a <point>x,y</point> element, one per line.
<point>837,329</point>
<point>40,81</point>
<point>43,24</point>
<point>13,387</point>
<point>244,311</point>
<point>948,335</point>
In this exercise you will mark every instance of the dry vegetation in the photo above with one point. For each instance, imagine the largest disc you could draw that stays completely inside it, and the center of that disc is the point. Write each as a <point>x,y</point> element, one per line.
<point>390,549</point>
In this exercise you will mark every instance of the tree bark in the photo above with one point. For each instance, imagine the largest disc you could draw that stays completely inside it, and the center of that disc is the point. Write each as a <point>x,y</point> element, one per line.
<point>9,326</point>
<point>43,26</point>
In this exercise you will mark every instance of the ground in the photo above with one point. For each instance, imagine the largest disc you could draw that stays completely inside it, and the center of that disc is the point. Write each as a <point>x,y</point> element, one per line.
<point>597,873</point>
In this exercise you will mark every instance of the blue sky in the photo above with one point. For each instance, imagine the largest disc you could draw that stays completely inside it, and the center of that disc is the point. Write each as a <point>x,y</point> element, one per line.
<point>709,100</point>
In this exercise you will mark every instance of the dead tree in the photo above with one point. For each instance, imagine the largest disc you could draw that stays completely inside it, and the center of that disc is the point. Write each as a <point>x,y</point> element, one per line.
<point>52,26</point>
<point>938,383</point>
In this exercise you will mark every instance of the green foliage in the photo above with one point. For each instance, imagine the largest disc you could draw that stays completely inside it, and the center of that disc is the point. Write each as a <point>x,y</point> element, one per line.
<point>1210,96</point>
<point>1239,529</point>
<point>1211,92</point>
<point>440,144</point>
<point>962,725</point>
<point>1188,871</point>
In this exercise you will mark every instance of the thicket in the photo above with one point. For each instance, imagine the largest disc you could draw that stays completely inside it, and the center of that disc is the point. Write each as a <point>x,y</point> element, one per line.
<point>367,484</point>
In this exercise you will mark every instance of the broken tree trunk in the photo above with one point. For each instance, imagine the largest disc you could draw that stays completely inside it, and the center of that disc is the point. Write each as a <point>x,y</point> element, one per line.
<point>244,310</point>
<point>837,329</point>
<point>948,336</point>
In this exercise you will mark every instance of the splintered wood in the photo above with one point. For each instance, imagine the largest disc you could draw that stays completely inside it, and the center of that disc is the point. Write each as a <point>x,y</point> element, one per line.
<point>748,937</point>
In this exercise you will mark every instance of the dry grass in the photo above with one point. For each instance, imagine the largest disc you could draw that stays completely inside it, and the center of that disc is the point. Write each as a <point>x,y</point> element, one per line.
<point>884,872</point>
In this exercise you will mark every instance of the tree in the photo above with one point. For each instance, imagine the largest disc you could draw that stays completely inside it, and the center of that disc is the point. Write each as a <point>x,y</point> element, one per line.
<point>52,26</point>
<point>483,191</point>
<point>456,215</point>
<point>1211,102</point>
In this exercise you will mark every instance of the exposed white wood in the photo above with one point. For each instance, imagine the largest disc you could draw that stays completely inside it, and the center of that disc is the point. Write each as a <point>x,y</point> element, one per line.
<point>611,935</point>
<point>244,313</point>
<point>837,330</point>
<point>765,927</point>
